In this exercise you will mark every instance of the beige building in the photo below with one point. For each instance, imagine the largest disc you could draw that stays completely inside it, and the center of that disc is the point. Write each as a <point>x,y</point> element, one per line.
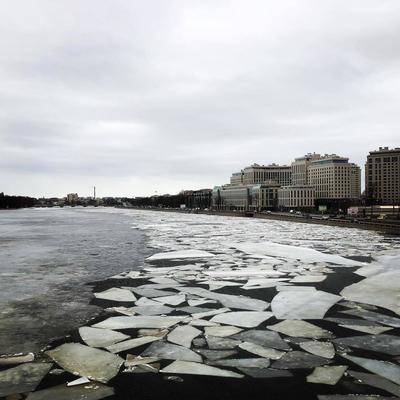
<point>334,178</point>
<point>262,173</point>
<point>382,176</point>
<point>237,178</point>
<point>72,197</point>
<point>300,168</point>
<point>299,196</point>
<point>246,197</point>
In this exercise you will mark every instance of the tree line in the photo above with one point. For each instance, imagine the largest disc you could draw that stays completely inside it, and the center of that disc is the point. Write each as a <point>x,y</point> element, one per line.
<point>16,201</point>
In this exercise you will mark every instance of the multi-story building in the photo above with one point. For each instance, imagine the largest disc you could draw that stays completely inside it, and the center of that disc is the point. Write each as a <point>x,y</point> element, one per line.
<point>72,197</point>
<point>246,197</point>
<point>300,168</point>
<point>299,196</point>
<point>334,178</point>
<point>237,178</point>
<point>382,176</point>
<point>262,173</point>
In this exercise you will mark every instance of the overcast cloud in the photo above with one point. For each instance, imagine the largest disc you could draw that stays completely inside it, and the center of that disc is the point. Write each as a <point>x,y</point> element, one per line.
<point>143,96</point>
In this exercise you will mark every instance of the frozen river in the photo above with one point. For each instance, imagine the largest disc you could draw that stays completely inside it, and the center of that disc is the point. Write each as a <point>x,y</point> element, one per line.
<point>203,296</point>
<point>47,256</point>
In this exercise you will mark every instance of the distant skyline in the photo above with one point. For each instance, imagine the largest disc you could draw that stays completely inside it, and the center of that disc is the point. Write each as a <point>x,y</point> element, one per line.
<point>139,97</point>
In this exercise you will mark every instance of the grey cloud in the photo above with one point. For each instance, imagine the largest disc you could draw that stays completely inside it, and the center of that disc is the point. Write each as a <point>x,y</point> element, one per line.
<point>165,95</point>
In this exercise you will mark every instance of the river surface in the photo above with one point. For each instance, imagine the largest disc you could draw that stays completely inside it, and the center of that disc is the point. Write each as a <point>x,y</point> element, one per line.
<point>49,257</point>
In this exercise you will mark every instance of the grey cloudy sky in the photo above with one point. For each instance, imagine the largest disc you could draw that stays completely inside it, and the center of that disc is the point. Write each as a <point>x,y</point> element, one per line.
<point>144,96</point>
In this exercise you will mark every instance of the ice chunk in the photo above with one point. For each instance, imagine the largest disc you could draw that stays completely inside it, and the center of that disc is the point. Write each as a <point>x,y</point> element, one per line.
<point>132,360</point>
<point>297,328</point>
<point>144,301</point>
<point>322,349</point>
<point>387,344</point>
<point>308,278</point>
<point>171,300</point>
<point>138,322</point>
<point>183,335</point>
<point>303,254</point>
<point>152,332</point>
<point>116,294</point>
<point>132,343</point>
<point>152,310</point>
<point>374,316</point>
<point>202,322</point>
<point>380,290</point>
<point>17,359</point>
<point>95,337</point>
<point>90,391</point>
<point>79,381</point>
<point>169,351</point>
<point>376,381</point>
<point>22,378</point>
<point>218,343</point>
<point>299,360</point>
<point>262,351</point>
<point>199,302</point>
<point>383,368</point>
<point>86,361</point>
<point>153,292</point>
<point>246,319</point>
<point>181,254</point>
<point>222,331</point>
<point>242,362</point>
<point>265,373</point>
<point>373,330</point>
<point>193,368</point>
<point>302,305</point>
<point>327,375</point>
<point>228,300</point>
<point>210,313</point>
<point>216,354</point>
<point>263,338</point>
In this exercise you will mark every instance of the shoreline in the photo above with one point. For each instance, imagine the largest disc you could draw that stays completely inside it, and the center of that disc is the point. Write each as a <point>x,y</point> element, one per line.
<point>391,229</point>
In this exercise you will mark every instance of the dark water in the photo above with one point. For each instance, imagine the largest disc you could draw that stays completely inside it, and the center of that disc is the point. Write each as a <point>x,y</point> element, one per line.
<point>47,259</point>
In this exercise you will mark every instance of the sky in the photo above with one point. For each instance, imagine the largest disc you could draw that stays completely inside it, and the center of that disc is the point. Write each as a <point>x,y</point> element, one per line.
<point>145,97</point>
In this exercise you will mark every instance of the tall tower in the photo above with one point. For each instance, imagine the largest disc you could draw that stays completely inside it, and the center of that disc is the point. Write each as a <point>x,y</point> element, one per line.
<point>94,192</point>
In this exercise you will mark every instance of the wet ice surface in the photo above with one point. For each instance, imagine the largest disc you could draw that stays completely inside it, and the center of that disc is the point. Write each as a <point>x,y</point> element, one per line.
<point>270,306</point>
<point>46,258</point>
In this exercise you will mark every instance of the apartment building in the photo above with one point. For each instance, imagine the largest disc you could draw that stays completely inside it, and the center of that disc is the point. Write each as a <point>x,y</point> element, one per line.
<point>237,178</point>
<point>299,197</point>
<point>256,174</point>
<point>382,176</point>
<point>334,178</point>
<point>300,168</point>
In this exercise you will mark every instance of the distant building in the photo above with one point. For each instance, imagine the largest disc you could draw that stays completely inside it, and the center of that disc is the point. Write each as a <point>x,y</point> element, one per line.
<point>256,174</point>
<point>237,178</point>
<point>72,197</point>
<point>382,176</point>
<point>300,168</point>
<point>198,198</point>
<point>299,197</point>
<point>246,197</point>
<point>334,178</point>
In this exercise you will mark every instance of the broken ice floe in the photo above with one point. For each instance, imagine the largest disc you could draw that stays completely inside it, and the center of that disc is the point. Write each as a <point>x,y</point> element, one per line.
<point>222,331</point>
<point>302,305</point>
<point>193,368</point>
<point>328,375</point>
<point>322,349</point>
<point>138,322</point>
<point>183,335</point>
<point>169,351</point>
<point>261,351</point>
<point>245,319</point>
<point>23,378</point>
<point>86,361</point>
<point>376,381</point>
<point>116,294</point>
<point>299,360</point>
<point>95,337</point>
<point>182,254</point>
<point>263,338</point>
<point>132,343</point>
<point>296,328</point>
<point>387,344</point>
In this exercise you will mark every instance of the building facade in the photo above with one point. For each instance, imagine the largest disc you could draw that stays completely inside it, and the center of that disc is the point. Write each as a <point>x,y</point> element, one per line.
<point>237,178</point>
<point>300,168</point>
<point>382,176</point>
<point>256,174</point>
<point>334,178</point>
<point>299,197</point>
